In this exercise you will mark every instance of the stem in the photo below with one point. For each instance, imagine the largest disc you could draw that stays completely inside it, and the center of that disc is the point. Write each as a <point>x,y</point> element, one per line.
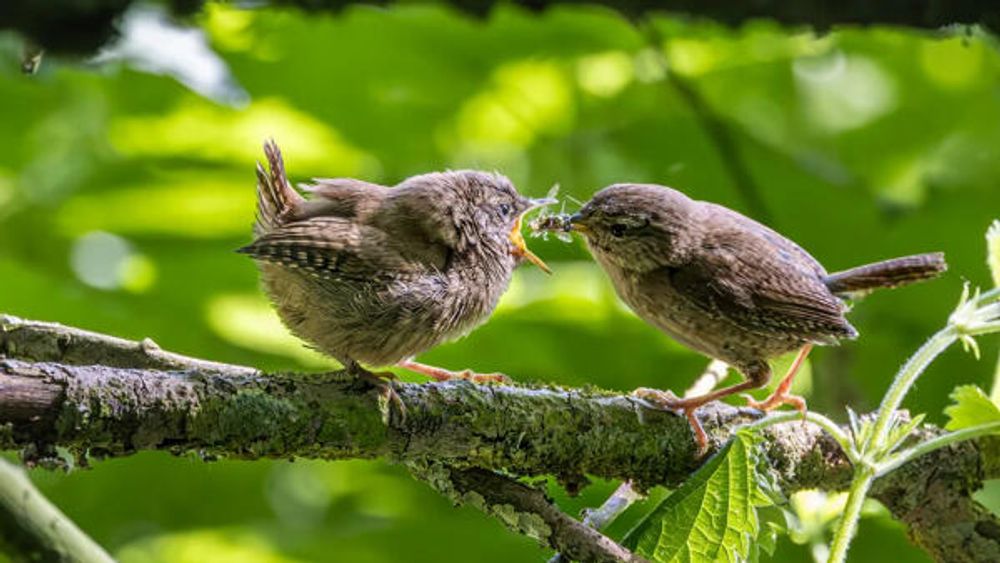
<point>865,471</point>
<point>985,328</point>
<point>829,426</point>
<point>995,392</point>
<point>907,375</point>
<point>908,455</point>
<point>863,477</point>
<point>34,529</point>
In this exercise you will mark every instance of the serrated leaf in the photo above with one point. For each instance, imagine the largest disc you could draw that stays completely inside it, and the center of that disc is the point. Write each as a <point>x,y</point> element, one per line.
<point>971,408</point>
<point>711,517</point>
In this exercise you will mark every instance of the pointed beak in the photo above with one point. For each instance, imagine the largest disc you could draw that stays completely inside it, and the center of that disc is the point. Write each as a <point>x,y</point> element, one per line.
<point>576,224</point>
<point>517,239</point>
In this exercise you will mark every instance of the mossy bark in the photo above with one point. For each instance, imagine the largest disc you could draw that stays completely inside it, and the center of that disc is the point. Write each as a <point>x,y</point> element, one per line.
<point>465,431</point>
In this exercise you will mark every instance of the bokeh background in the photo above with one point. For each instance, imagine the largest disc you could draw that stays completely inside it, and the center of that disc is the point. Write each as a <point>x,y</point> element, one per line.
<point>126,182</point>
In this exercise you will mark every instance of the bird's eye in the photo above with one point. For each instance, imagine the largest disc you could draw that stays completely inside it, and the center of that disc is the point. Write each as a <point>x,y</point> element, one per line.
<point>618,230</point>
<point>505,209</point>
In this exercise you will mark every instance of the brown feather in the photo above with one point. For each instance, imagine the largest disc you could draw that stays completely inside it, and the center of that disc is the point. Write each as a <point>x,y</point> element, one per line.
<point>745,279</point>
<point>888,273</point>
<point>276,199</point>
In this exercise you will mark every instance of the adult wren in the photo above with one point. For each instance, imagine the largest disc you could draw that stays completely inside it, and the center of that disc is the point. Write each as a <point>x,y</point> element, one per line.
<point>374,275</point>
<point>724,284</point>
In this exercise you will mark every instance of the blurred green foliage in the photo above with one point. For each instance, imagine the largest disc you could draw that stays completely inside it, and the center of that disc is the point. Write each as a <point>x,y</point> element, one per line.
<point>123,193</point>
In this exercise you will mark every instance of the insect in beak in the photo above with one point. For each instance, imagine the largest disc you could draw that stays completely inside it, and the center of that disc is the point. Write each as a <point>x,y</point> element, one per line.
<point>517,239</point>
<point>576,224</point>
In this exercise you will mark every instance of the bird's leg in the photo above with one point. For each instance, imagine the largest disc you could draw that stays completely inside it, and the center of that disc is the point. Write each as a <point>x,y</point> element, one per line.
<point>382,380</point>
<point>757,375</point>
<point>689,406</point>
<point>781,396</point>
<point>441,374</point>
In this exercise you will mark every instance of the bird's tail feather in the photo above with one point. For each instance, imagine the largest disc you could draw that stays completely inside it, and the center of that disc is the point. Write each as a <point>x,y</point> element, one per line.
<point>888,273</point>
<point>275,196</point>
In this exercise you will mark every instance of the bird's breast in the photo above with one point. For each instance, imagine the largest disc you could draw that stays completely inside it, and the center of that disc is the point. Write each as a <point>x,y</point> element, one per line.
<point>654,299</point>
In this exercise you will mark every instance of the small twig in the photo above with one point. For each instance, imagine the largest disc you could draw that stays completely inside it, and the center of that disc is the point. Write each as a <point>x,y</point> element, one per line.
<point>525,510</point>
<point>619,501</point>
<point>713,375</point>
<point>52,342</point>
<point>33,529</point>
<point>599,518</point>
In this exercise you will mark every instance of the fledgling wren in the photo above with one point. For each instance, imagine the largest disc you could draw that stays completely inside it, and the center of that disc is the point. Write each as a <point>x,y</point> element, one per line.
<point>724,284</point>
<point>374,275</point>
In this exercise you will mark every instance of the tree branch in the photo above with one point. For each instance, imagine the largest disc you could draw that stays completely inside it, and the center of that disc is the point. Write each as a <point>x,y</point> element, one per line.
<point>462,427</point>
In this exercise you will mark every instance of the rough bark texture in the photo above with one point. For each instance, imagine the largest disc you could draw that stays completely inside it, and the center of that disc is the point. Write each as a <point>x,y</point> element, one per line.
<point>525,510</point>
<point>450,434</point>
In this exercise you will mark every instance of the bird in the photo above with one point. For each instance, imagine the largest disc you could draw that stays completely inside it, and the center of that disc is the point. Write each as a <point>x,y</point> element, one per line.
<point>372,275</point>
<point>724,285</point>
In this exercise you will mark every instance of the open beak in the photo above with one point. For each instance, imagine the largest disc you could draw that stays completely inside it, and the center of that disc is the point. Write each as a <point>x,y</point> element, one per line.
<point>517,239</point>
<point>576,224</point>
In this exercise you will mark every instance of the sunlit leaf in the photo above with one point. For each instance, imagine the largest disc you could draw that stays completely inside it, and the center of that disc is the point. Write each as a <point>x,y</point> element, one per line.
<point>222,546</point>
<point>202,205</point>
<point>196,128</point>
<point>971,408</point>
<point>714,515</point>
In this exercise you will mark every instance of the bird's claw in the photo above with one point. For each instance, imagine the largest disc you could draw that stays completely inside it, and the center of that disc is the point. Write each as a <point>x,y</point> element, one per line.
<point>388,394</point>
<point>666,400</point>
<point>661,399</point>
<point>383,381</point>
<point>775,400</point>
<point>385,376</point>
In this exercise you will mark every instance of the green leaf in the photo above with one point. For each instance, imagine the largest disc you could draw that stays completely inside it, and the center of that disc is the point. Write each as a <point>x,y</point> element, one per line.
<point>773,523</point>
<point>713,516</point>
<point>971,408</point>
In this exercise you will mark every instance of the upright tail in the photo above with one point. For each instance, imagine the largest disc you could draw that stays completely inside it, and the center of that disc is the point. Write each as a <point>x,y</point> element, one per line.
<point>276,198</point>
<point>888,273</point>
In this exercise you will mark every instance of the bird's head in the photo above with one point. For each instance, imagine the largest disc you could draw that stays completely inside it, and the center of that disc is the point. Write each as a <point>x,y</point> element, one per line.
<point>636,227</point>
<point>484,210</point>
